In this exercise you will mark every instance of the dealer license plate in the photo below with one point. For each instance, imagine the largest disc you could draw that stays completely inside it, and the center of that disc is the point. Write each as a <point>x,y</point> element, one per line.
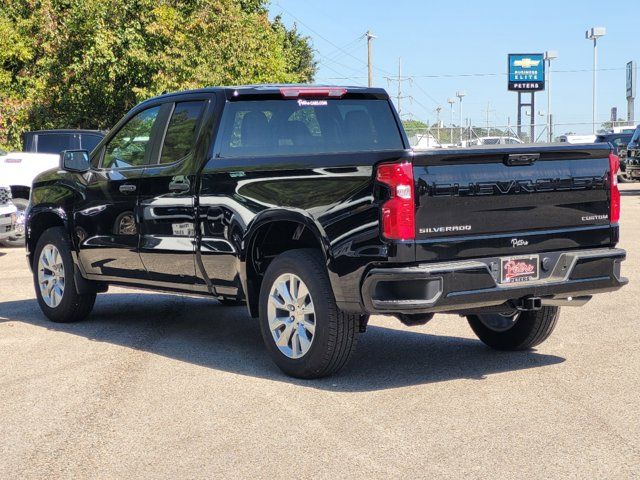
<point>521,269</point>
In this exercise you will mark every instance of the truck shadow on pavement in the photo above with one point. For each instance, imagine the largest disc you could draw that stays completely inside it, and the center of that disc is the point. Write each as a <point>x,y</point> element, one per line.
<point>630,192</point>
<point>205,333</point>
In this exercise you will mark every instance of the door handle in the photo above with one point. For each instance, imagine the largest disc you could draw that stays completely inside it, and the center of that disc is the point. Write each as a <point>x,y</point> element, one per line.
<point>127,188</point>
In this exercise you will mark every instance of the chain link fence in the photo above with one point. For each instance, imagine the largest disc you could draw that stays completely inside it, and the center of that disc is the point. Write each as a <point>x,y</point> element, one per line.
<point>444,136</point>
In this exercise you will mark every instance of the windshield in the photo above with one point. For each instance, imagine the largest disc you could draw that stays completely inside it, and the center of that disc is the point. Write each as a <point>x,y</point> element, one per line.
<point>285,127</point>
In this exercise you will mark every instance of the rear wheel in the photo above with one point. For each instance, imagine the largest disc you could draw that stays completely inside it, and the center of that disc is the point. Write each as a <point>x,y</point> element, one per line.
<point>53,276</point>
<point>624,178</point>
<point>305,333</point>
<point>17,240</point>
<point>515,331</point>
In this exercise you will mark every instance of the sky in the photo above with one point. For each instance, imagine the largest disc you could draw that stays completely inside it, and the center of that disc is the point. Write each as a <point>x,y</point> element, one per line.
<point>442,42</point>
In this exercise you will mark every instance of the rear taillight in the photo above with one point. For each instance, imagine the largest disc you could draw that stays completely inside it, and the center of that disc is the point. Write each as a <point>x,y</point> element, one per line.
<point>614,200</point>
<point>398,213</point>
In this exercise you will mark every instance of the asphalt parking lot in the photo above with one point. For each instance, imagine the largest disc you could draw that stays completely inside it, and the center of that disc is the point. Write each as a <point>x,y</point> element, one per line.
<point>162,386</point>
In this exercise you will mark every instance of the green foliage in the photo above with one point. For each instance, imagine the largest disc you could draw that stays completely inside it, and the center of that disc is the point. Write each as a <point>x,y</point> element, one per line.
<point>84,63</point>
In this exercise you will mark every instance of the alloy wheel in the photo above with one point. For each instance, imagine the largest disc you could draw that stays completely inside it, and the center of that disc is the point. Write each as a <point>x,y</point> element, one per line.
<point>51,279</point>
<point>291,316</point>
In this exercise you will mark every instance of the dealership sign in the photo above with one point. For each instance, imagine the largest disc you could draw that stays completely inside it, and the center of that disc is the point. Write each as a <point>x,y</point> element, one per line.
<point>526,72</point>
<point>631,80</point>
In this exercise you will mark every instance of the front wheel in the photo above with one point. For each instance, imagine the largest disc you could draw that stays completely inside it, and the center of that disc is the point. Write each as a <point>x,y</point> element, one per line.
<point>53,276</point>
<point>515,331</point>
<point>305,333</point>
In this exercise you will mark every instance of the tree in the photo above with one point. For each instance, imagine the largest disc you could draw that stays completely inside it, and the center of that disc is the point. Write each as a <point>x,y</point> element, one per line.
<point>84,63</point>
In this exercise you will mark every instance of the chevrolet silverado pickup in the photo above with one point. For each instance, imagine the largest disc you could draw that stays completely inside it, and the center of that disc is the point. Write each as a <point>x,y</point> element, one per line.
<point>306,204</point>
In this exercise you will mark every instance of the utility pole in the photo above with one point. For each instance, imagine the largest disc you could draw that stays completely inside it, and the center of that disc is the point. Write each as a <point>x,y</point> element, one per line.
<point>369,57</point>
<point>399,85</point>
<point>438,110</point>
<point>488,111</point>
<point>399,79</point>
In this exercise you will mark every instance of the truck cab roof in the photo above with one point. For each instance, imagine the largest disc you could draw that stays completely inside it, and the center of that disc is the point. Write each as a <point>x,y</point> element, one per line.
<point>283,90</point>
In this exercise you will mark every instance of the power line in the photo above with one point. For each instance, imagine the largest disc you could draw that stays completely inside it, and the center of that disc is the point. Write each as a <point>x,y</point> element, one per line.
<point>426,94</point>
<point>350,46</point>
<point>326,39</point>
<point>496,74</point>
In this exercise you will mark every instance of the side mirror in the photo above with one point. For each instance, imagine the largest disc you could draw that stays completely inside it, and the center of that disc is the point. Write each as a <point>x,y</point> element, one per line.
<point>74,160</point>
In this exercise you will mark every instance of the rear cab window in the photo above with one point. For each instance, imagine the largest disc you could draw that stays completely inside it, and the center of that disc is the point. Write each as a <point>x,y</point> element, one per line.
<point>306,126</point>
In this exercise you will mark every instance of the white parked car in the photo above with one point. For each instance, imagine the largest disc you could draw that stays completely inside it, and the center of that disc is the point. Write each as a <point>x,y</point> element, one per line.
<point>577,138</point>
<point>41,153</point>
<point>8,215</point>
<point>498,140</point>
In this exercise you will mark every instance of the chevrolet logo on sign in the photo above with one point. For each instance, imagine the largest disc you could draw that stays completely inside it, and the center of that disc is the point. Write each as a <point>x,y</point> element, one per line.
<point>526,63</point>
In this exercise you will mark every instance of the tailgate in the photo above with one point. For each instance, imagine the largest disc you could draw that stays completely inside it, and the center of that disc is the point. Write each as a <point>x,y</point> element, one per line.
<point>508,201</point>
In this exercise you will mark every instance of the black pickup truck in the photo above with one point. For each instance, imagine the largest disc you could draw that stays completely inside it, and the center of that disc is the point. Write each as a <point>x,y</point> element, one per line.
<point>307,204</point>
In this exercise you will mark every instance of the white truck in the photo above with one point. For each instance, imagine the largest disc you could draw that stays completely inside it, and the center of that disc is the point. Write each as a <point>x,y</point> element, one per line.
<point>8,215</point>
<point>41,152</point>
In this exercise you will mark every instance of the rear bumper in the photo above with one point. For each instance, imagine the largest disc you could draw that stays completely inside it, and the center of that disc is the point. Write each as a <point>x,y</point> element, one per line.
<point>473,284</point>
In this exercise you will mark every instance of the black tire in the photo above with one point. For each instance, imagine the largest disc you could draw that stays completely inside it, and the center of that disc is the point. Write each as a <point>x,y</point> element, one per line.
<point>530,328</point>
<point>73,307</point>
<point>336,332</point>
<point>622,178</point>
<point>18,240</point>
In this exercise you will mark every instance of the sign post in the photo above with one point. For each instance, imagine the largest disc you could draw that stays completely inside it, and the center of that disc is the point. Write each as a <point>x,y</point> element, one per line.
<point>526,74</point>
<point>631,89</point>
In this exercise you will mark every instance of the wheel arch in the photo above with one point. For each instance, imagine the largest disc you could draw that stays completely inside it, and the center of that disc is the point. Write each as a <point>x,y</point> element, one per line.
<point>38,221</point>
<point>271,234</point>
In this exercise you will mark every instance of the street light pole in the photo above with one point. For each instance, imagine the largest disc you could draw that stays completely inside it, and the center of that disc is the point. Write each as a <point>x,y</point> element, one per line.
<point>451,101</point>
<point>460,94</point>
<point>548,56</point>
<point>593,34</point>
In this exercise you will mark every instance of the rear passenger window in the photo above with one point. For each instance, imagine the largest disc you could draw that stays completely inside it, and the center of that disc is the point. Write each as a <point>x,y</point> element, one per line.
<point>181,132</point>
<point>283,127</point>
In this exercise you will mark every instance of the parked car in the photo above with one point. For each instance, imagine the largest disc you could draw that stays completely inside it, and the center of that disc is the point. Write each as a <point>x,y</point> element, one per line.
<point>41,152</point>
<point>8,215</point>
<point>577,138</point>
<point>632,167</point>
<point>503,140</point>
<point>623,129</point>
<point>618,142</point>
<point>308,205</point>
